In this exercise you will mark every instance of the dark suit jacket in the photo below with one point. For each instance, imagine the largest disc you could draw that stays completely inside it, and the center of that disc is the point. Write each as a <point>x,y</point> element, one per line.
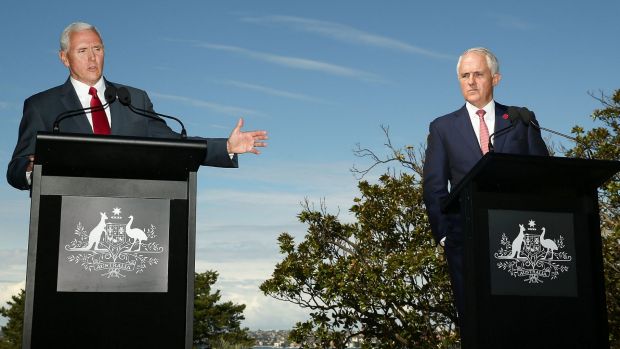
<point>41,110</point>
<point>453,150</point>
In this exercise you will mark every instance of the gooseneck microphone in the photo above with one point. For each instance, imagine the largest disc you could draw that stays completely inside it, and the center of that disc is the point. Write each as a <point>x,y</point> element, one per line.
<point>528,118</point>
<point>110,97</point>
<point>125,98</point>
<point>513,115</point>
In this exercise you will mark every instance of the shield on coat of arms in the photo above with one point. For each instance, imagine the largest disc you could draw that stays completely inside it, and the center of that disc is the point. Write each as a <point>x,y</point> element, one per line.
<point>531,243</point>
<point>115,233</point>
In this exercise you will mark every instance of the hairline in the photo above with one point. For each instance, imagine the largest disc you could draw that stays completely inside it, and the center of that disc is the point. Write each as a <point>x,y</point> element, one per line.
<point>491,59</point>
<point>65,36</point>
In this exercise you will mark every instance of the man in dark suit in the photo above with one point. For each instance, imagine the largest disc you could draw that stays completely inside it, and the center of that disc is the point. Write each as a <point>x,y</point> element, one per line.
<point>82,52</point>
<point>458,140</point>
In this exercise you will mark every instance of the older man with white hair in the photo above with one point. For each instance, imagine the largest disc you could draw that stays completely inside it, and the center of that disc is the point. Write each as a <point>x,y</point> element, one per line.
<point>82,52</point>
<point>456,141</point>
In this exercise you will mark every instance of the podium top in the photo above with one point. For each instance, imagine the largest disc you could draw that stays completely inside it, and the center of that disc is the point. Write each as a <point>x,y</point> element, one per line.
<point>500,172</point>
<point>99,156</point>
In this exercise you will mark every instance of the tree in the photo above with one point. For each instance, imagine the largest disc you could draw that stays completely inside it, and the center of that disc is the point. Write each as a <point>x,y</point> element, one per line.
<point>603,143</point>
<point>381,277</point>
<point>217,325</point>
<point>12,331</point>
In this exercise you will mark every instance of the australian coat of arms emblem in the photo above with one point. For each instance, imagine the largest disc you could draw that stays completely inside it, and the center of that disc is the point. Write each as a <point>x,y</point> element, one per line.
<point>533,255</point>
<point>114,247</point>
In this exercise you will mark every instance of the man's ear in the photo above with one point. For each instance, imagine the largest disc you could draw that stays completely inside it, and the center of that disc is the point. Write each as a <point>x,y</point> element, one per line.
<point>496,78</point>
<point>63,58</point>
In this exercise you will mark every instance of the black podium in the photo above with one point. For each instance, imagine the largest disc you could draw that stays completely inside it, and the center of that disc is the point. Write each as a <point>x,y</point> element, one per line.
<point>533,263</point>
<point>112,242</point>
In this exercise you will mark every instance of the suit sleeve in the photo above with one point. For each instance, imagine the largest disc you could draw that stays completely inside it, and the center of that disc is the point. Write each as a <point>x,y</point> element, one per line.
<point>435,181</point>
<point>217,154</point>
<point>31,123</point>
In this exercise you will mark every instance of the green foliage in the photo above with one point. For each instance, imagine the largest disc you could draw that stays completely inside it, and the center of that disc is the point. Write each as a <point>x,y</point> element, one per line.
<point>381,278</point>
<point>603,143</point>
<point>12,331</point>
<point>217,325</point>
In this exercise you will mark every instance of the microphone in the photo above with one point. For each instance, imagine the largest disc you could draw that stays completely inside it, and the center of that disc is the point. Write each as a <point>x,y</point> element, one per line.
<point>513,115</point>
<point>125,98</point>
<point>110,94</point>
<point>110,97</point>
<point>528,118</point>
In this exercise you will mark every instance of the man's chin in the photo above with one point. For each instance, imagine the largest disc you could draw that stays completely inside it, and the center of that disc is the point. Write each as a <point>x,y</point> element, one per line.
<point>473,101</point>
<point>90,80</point>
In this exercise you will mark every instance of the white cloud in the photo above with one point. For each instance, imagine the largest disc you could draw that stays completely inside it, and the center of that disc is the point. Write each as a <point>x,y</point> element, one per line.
<point>274,92</point>
<point>216,107</point>
<point>9,289</point>
<point>511,22</point>
<point>347,34</point>
<point>295,62</point>
<point>262,312</point>
<point>12,275</point>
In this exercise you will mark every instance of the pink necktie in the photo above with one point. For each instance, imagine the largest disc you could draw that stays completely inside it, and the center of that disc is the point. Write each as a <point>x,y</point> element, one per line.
<point>484,132</point>
<point>101,126</point>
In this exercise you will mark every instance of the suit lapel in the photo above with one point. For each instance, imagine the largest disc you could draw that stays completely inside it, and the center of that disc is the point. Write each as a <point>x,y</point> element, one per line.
<point>464,127</point>
<point>70,101</point>
<point>116,111</point>
<point>500,123</point>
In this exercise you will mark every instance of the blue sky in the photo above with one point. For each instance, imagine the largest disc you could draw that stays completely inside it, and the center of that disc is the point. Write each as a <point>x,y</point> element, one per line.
<point>320,76</point>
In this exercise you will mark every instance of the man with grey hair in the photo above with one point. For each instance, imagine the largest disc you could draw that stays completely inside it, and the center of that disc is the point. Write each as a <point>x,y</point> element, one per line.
<point>82,52</point>
<point>456,141</point>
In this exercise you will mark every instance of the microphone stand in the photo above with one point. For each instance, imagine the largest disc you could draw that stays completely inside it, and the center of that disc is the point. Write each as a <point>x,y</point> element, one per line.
<point>125,98</point>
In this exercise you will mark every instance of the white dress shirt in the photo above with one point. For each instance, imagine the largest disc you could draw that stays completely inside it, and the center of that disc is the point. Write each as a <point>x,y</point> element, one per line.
<point>489,118</point>
<point>82,92</point>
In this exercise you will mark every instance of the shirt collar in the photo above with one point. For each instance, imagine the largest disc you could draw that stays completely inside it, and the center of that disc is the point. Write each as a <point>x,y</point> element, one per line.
<point>489,109</point>
<point>82,88</point>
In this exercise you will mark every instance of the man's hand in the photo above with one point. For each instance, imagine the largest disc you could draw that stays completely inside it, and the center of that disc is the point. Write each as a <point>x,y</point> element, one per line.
<point>245,142</point>
<point>30,165</point>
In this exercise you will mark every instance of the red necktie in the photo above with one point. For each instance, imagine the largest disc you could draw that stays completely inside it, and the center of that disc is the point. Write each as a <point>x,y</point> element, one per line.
<point>101,126</point>
<point>484,132</point>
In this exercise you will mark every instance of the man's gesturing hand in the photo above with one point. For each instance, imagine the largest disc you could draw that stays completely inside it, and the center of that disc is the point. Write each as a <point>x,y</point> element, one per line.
<point>240,142</point>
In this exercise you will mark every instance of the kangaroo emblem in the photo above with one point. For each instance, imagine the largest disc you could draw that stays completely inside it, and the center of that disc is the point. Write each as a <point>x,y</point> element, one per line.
<point>95,234</point>
<point>516,245</point>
